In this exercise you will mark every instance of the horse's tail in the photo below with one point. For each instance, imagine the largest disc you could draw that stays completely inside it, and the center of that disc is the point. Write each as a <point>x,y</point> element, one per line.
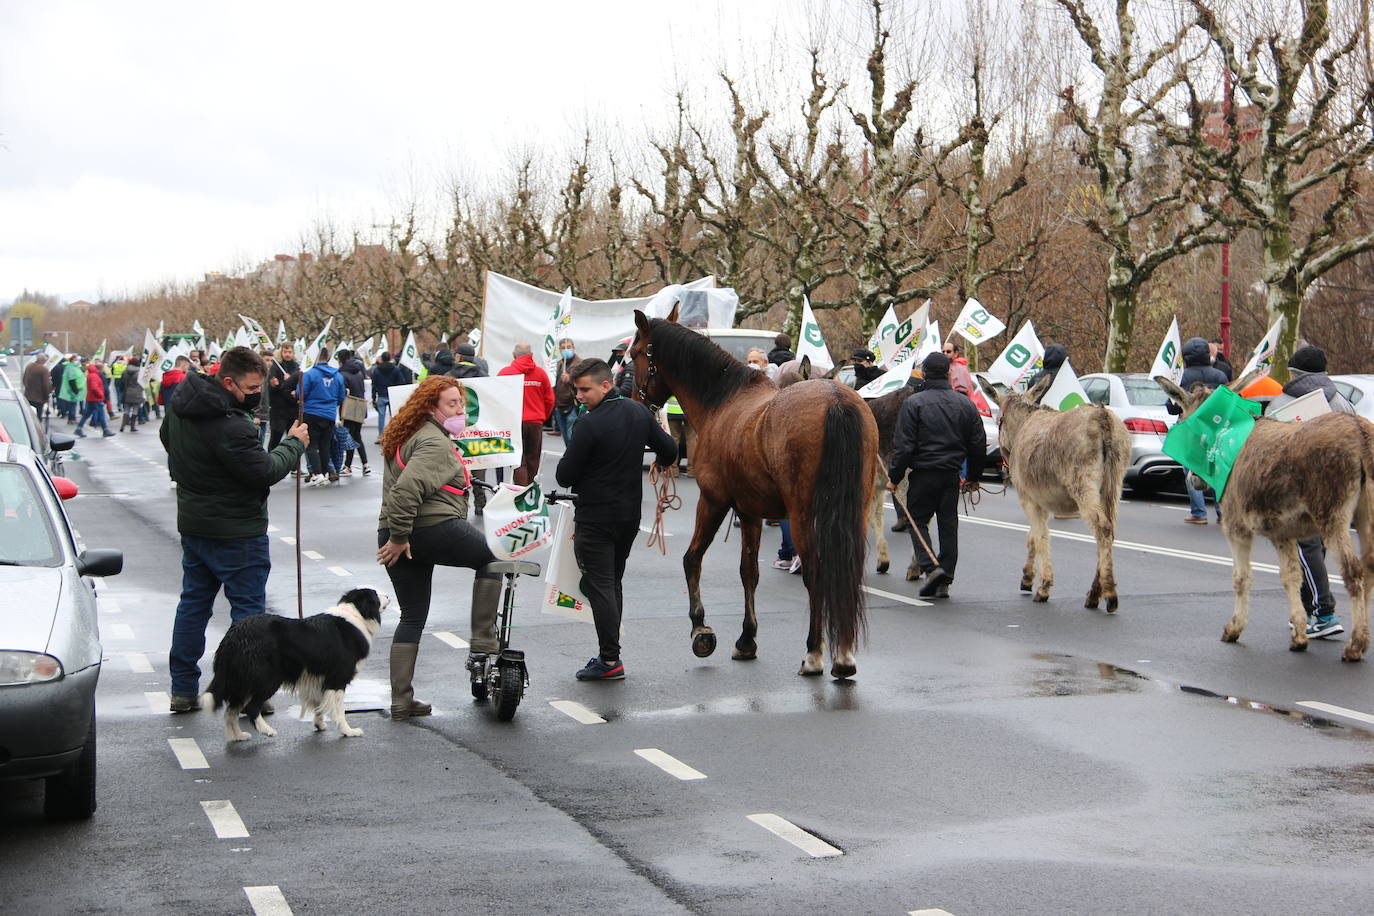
<point>839,507</point>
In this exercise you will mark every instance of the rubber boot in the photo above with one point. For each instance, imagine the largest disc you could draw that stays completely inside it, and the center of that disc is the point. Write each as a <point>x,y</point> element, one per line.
<point>403,702</point>
<point>486,601</point>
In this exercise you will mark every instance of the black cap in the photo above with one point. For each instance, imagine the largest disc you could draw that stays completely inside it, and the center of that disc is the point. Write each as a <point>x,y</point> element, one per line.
<point>936,365</point>
<point>862,353</point>
<point>1308,359</point>
<point>465,349</point>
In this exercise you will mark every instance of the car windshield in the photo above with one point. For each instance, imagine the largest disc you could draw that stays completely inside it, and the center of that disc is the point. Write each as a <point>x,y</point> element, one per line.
<point>27,537</point>
<point>12,417</point>
<point>1144,392</point>
<point>739,346</point>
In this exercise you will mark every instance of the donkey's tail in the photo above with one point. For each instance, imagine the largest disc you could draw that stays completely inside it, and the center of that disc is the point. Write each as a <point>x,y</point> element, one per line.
<point>839,505</point>
<point>1116,455</point>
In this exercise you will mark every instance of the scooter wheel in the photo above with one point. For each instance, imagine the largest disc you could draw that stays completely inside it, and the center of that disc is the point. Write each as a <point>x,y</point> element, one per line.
<point>509,692</point>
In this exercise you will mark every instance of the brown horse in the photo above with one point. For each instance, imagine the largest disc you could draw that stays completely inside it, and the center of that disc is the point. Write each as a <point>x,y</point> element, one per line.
<point>806,454</point>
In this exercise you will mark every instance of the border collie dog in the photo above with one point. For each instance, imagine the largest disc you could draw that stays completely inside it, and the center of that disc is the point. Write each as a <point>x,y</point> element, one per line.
<point>316,658</point>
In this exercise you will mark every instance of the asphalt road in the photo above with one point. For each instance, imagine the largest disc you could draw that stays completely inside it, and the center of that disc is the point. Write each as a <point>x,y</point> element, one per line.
<point>992,755</point>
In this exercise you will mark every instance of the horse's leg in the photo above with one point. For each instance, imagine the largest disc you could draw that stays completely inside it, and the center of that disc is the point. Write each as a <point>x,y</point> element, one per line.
<point>1356,586</point>
<point>876,522</point>
<point>813,663</point>
<point>1290,572</point>
<point>709,517</point>
<point>1242,544</point>
<point>750,530</point>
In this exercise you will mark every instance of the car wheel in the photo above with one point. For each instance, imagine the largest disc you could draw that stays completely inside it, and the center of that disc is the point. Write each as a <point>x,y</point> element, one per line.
<point>71,795</point>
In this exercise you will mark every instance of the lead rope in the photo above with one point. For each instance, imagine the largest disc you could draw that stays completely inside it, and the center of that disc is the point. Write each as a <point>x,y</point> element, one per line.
<point>664,483</point>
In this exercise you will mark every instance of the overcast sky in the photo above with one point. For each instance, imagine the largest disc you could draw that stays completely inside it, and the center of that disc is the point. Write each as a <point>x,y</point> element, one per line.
<point>141,142</point>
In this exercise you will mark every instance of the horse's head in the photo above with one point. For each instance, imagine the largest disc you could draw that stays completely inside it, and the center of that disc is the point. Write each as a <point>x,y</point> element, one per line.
<point>1191,400</point>
<point>650,389</point>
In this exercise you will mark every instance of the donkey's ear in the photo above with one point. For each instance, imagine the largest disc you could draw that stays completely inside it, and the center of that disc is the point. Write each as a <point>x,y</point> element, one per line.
<point>1175,393</point>
<point>672,316</point>
<point>989,389</point>
<point>804,369</point>
<point>1037,391</point>
<point>641,321</point>
<point>1247,380</point>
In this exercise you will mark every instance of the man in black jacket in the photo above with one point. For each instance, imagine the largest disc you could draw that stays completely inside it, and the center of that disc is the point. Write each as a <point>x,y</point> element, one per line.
<point>602,466</point>
<point>223,477</point>
<point>282,379</point>
<point>939,432</point>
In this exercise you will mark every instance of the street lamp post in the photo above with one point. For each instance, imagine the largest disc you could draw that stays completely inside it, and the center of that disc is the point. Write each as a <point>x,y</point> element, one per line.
<point>66,341</point>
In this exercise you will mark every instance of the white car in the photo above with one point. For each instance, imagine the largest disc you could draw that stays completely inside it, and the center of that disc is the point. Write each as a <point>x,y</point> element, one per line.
<point>1140,403</point>
<point>1359,391</point>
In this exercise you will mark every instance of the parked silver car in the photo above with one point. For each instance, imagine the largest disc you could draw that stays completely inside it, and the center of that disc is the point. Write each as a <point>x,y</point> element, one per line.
<point>1140,403</point>
<point>1359,391</point>
<point>49,638</point>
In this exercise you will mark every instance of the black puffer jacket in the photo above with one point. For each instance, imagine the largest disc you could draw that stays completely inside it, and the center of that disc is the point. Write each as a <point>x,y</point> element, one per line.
<point>779,355</point>
<point>937,429</point>
<point>221,472</point>
<point>1197,369</point>
<point>466,368</point>
<point>1054,357</point>
<point>282,398</point>
<point>1307,382</point>
<point>384,375</point>
<point>354,377</point>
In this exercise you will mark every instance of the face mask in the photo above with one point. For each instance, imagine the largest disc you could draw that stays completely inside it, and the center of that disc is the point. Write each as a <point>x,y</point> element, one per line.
<point>568,354</point>
<point>455,425</point>
<point>756,367</point>
<point>251,401</point>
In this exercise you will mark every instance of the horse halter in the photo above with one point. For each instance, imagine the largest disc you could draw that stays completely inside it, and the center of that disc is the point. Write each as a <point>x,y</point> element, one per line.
<point>642,386</point>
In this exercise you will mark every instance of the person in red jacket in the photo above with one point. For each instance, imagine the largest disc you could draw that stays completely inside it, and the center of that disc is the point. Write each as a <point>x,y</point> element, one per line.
<point>95,400</point>
<point>537,407</point>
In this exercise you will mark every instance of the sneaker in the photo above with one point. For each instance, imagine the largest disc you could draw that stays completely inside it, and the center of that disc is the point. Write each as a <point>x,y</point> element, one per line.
<point>795,566</point>
<point>1322,627</point>
<point>598,670</point>
<point>367,471</point>
<point>346,472</point>
<point>185,704</point>
<point>476,663</point>
<point>317,480</point>
<point>333,476</point>
<point>782,564</point>
<point>1194,520</point>
<point>79,433</point>
<point>108,433</point>
<point>937,586</point>
<point>902,525</point>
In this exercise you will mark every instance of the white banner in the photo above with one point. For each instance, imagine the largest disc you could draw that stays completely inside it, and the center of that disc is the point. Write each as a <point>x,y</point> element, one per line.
<point>494,405</point>
<point>563,593</point>
<point>1169,360</point>
<point>1065,392</point>
<point>811,342</point>
<point>1021,357</point>
<point>1262,357</point>
<point>515,312</point>
<point>516,520</point>
<point>975,325</point>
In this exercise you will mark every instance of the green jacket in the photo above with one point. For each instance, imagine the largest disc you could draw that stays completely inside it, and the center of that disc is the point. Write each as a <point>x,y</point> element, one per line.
<point>425,491</point>
<point>73,383</point>
<point>222,473</point>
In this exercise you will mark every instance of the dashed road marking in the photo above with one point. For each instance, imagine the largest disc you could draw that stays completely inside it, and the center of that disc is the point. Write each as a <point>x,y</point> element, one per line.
<point>452,640</point>
<point>226,821</point>
<point>339,571</point>
<point>312,554</point>
<point>121,631</point>
<point>577,711</point>
<point>138,663</point>
<point>267,900</point>
<point>669,764</point>
<point>188,754</point>
<point>648,530</point>
<point>893,596</point>
<point>272,529</point>
<point>784,829</point>
<point>932,912</point>
<point>1338,711</point>
<point>109,605</point>
<point>158,701</point>
<point>290,542</point>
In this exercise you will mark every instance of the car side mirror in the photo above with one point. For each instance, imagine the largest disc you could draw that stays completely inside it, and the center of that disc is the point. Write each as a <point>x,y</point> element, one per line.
<point>65,488</point>
<point>60,442</point>
<point>100,563</point>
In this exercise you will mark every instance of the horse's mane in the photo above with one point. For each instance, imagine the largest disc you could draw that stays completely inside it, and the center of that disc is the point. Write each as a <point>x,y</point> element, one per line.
<point>715,374</point>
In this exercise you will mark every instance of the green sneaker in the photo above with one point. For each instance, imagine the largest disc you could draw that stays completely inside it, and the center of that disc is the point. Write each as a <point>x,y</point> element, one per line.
<point>1322,627</point>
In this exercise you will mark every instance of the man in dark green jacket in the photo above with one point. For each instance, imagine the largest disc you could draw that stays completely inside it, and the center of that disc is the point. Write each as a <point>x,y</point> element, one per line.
<point>222,477</point>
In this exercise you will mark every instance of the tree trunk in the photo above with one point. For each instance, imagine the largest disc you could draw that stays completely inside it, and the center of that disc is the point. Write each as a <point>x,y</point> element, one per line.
<point>1283,297</point>
<point>1121,300</point>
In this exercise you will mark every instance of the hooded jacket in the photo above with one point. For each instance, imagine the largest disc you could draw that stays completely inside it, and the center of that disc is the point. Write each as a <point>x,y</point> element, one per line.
<point>222,474</point>
<point>1197,369</point>
<point>323,391</point>
<point>1054,357</point>
<point>384,375</point>
<point>538,391</point>
<point>95,385</point>
<point>1305,383</point>
<point>467,367</point>
<point>937,430</point>
<point>354,377</point>
<point>73,383</point>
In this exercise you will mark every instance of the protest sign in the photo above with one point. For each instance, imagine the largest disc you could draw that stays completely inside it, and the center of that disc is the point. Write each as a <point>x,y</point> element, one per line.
<point>563,593</point>
<point>492,438</point>
<point>516,521</point>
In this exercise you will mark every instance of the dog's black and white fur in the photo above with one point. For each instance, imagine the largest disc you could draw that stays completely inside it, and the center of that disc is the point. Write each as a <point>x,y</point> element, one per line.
<point>316,658</point>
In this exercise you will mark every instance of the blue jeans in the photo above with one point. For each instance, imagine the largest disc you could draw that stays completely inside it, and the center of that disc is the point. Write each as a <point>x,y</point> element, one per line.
<point>564,420</point>
<point>240,565</point>
<point>383,408</point>
<point>95,412</point>
<point>1197,500</point>
<point>786,550</point>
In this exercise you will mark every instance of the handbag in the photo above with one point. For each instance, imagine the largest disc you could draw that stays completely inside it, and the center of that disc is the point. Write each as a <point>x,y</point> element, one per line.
<point>354,409</point>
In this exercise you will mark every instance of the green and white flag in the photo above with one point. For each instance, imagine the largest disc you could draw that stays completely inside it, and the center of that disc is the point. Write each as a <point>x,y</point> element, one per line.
<point>281,332</point>
<point>149,357</point>
<point>1209,440</point>
<point>230,340</point>
<point>494,407</point>
<point>197,329</point>
<point>913,335</point>
<point>255,330</point>
<point>364,352</point>
<point>1021,357</point>
<point>890,380</point>
<point>1169,360</point>
<point>516,520</point>
<point>1262,357</point>
<point>312,352</point>
<point>812,342</point>
<point>54,355</point>
<point>975,324</point>
<point>100,352</point>
<point>557,330</point>
<point>410,358</point>
<point>443,338</point>
<point>892,338</point>
<point>884,334</point>
<point>1065,392</point>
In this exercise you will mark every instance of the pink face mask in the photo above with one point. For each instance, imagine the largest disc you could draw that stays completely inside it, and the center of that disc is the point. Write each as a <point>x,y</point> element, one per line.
<point>456,425</point>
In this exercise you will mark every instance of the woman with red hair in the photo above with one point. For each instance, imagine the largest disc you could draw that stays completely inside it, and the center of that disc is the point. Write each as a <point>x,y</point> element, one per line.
<point>425,491</point>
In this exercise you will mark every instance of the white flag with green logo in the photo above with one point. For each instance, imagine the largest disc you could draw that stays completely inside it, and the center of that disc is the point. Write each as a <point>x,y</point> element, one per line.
<point>281,332</point>
<point>516,520</point>
<point>410,358</point>
<point>151,355</point>
<point>912,335</point>
<point>812,342</point>
<point>563,593</point>
<point>494,407</point>
<point>975,324</point>
<point>100,353</point>
<point>1262,357</point>
<point>197,329</point>
<point>312,352</point>
<point>557,330</point>
<point>884,336</point>
<point>1169,360</point>
<point>1065,392</point>
<point>890,380</point>
<point>1021,357</point>
<point>256,332</point>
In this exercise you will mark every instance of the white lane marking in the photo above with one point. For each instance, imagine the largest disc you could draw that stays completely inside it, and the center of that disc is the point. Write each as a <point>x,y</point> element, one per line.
<point>188,754</point>
<point>895,597</point>
<point>781,827</point>
<point>312,554</point>
<point>669,764</point>
<point>158,701</point>
<point>267,900</point>
<point>138,663</point>
<point>272,529</point>
<point>121,631</point>
<point>648,530</point>
<point>1338,711</point>
<point>226,821</point>
<point>109,605</point>
<point>288,541</point>
<point>452,640</point>
<point>931,912</point>
<point>339,571</point>
<point>577,711</point>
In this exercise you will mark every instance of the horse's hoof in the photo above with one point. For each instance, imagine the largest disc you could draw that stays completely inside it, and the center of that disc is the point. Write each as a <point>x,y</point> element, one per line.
<point>1351,655</point>
<point>1040,597</point>
<point>1027,585</point>
<point>882,567</point>
<point>808,671</point>
<point>745,655</point>
<point>841,672</point>
<point>1296,646</point>
<point>1228,636</point>
<point>1090,604</point>
<point>703,644</point>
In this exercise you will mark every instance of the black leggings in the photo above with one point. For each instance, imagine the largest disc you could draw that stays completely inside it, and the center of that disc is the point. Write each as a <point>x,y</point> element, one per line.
<point>355,429</point>
<point>321,447</point>
<point>450,543</point>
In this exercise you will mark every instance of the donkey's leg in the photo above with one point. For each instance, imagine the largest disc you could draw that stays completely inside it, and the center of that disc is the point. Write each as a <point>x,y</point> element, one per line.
<point>750,530</point>
<point>1039,518</point>
<point>1242,544</point>
<point>1100,523</point>
<point>876,523</point>
<point>1364,525</point>
<point>709,518</point>
<point>1357,587</point>
<point>1290,572</point>
<point>1028,571</point>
